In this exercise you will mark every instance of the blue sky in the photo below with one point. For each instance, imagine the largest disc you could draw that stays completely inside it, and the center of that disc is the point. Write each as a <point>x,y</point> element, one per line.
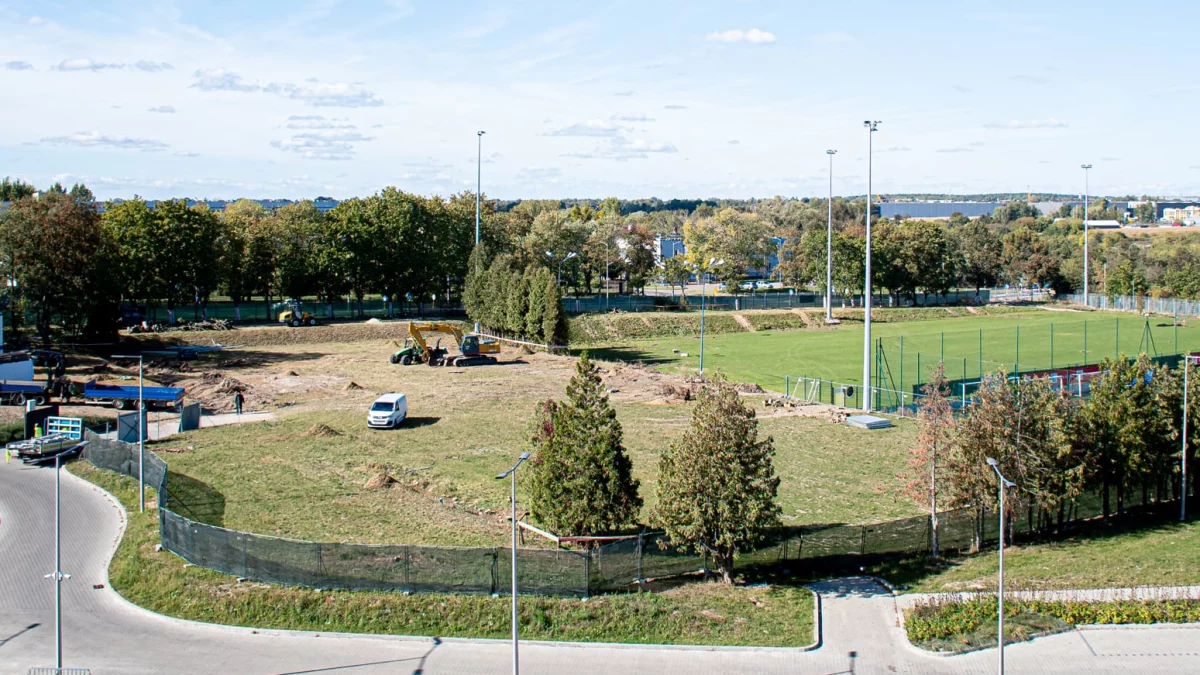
<point>619,98</point>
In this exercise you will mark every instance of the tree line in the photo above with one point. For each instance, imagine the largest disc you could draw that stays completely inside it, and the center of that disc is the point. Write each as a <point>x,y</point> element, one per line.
<point>716,484</point>
<point>1120,443</point>
<point>525,304</point>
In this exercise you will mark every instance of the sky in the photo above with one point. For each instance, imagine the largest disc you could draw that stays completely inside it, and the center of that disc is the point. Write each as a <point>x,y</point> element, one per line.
<point>625,98</point>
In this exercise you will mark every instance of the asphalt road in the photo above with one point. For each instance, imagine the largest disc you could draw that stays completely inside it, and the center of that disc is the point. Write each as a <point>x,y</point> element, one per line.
<point>111,637</point>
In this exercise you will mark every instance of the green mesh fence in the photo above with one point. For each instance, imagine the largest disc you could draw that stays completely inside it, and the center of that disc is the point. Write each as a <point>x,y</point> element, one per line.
<point>615,567</point>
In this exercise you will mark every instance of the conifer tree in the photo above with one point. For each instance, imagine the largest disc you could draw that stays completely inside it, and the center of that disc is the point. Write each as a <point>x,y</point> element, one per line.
<point>582,478</point>
<point>554,318</point>
<point>517,304</point>
<point>717,485</point>
<point>532,329</point>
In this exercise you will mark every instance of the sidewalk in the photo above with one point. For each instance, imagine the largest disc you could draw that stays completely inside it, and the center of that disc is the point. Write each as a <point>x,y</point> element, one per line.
<point>158,430</point>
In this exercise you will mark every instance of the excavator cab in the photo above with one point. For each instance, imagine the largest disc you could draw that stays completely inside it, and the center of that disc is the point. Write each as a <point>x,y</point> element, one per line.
<point>474,349</point>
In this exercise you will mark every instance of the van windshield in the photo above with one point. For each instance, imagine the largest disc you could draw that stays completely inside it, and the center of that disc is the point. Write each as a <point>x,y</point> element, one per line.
<point>382,406</point>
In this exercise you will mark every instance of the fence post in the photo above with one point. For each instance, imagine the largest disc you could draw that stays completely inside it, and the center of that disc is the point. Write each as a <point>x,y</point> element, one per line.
<point>587,574</point>
<point>862,546</point>
<point>639,556</point>
<point>1117,340</point>
<point>495,570</point>
<point>981,353</point>
<point>1017,363</point>
<point>1051,346</point>
<point>407,583</point>
<point>245,544</point>
<point>1085,342</point>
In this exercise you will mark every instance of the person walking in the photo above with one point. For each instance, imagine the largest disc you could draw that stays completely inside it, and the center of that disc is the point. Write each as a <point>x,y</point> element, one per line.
<point>238,400</point>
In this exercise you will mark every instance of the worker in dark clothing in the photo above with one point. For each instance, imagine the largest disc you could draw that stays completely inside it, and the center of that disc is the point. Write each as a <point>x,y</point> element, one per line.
<point>238,400</point>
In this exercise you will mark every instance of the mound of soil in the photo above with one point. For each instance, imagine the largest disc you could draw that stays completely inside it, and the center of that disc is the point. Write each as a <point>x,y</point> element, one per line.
<point>215,390</point>
<point>269,336</point>
<point>352,386</point>
<point>380,481</point>
<point>749,388</point>
<point>677,392</point>
<point>322,431</point>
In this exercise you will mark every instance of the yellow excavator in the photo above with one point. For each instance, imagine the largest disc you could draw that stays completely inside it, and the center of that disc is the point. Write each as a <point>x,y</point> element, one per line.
<point>474,350</point>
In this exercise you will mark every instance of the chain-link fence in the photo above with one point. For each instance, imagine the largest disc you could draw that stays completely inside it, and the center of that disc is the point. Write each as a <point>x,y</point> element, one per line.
<point>619,566</point>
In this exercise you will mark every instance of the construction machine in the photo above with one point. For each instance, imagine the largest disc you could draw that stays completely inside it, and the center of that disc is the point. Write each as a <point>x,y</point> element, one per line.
<point>474,350</point>
<point>295,316</point>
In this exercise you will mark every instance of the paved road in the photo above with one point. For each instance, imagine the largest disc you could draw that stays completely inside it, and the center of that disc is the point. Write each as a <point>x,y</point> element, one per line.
<point>165,427</point>
<point>111,637</point>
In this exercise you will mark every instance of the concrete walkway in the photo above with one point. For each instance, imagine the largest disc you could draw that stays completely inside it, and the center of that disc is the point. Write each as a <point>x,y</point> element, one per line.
<point>860,629</point>
<point>157,430</point>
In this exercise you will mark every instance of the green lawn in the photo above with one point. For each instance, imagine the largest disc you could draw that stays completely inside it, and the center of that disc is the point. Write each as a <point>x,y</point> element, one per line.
<point>691,614</point>
<point>767,356</point>
<point>265,478</point>
<point>1164,555</point>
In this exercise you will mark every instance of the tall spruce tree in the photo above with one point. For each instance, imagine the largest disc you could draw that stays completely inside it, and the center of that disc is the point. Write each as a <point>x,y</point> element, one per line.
<point>717,484</point>
<point>536,277</point>
<point>554,317</point>
<point>582,483</point>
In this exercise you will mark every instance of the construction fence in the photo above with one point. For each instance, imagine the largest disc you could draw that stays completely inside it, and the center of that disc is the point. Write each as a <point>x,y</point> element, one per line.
<point>1143,304</point>
<point>616,567</point>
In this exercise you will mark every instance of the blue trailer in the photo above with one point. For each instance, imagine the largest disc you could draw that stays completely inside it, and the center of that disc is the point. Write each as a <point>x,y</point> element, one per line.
<point>17,392</point>
<point>125,397</point>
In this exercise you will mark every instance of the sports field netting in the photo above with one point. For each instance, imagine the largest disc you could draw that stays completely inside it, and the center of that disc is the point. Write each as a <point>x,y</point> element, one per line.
<point>905,362</point>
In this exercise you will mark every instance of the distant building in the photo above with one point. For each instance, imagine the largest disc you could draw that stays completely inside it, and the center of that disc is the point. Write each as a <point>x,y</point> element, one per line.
<point>936,210</point>
<point>1189,214</point>
<point>1052,208</point>
<point>1103,224</point>
<point>1161,209</point>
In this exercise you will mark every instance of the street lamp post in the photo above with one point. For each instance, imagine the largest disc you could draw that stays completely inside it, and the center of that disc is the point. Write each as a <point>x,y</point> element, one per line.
<point>872,127</point>
<point>478,188</point>
<point>1004,484</point>
<point>58,575</point>
<point>564,259</point>
<point>1183,461</point>
<point>512,474</point>
<point>141,432</point>
<point>712,262</point>
<point>1086,299</point>
<point>829,245</point>
<point>606,275</point>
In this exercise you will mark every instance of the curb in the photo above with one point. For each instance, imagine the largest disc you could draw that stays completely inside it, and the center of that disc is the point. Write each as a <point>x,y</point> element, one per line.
<point>282,632</point>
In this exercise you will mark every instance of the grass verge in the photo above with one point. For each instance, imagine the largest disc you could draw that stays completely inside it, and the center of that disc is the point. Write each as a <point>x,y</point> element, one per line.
<point>1162,555</point>
<point>693,614</point>
<point>960,625</point>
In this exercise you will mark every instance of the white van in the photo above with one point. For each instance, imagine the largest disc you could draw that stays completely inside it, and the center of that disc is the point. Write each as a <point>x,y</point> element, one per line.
<point>388,411</point>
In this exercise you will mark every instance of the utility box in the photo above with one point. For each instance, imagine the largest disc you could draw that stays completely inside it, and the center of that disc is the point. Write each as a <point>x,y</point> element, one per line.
<point>844,396</point>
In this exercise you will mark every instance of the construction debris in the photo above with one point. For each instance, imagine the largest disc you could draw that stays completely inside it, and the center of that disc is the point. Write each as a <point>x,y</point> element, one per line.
<point>322,431</point>
<point>379,481</point>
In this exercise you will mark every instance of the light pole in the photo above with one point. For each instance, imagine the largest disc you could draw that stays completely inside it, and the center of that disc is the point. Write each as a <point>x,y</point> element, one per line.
<point>58,575</point>
<point>478,188</point>
<point>1004,483</point>
<point>1086,300</point>
<point>872,127</point>
<point>829,245</point>
<point>1183,476</point>
<point>565,258</point>
<point>141,433</point>
<point>512,473</point>
<point>606,277</point>
<point>712,262</point>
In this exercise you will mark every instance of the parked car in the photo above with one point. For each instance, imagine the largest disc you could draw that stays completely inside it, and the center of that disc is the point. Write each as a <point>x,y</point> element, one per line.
<point>388,411</point>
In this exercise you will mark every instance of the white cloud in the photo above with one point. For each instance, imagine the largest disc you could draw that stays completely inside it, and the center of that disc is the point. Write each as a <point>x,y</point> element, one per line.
<point>622,149</point>
<point>954,150</point>
<point>37,21</point>
<point>165,109</point>
<point>315,93</point>
<point>539,173</point>
<point>674,106</point>
<point>87,64</point>
<point>18,65</point>
<point>219,79</point>
<point>95,139</point>
<point>896,148</point>
<point>734,142</point>
<point>1027,124</point>
<point>331,145</point>
<point>596,127</point>
<point>631,117</point>
<point>186,154</point>
<point>317,122</point>
<point>753,36</point>
<point>153,66</point>
<point>623,93</point>
<point>326,94</point>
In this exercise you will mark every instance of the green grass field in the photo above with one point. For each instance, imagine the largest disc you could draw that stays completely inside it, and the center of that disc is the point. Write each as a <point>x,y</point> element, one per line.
<point>767,356</point>
<point>691,614</point>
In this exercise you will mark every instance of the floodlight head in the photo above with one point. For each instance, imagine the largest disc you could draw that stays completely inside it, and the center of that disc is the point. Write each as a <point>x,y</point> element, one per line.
<point>525,456</point>
<point>502,476</point>
<point>992,462</point>
<point>1085,166</point>
<point>831,152</point>
<point>549,254</point>
<point>572,254</point>
<point>480,133</point>
<point>1008,483</point>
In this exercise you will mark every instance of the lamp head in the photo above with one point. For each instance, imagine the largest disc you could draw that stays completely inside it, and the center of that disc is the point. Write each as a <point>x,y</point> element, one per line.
<point>525,456</point>
<point>831,152</point>
<point>480,133</point>
<point>1085,166</point>
<point>992,462</point>
<point>549,254</point>
<point>572,254</point>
